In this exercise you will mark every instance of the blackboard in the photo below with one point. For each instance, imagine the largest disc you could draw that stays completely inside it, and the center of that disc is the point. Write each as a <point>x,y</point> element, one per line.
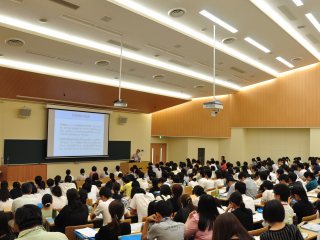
<point>119,150</point>
<point>24,151</point>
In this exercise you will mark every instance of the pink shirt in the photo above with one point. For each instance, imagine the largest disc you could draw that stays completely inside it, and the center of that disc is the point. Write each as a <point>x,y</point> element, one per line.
<point>191,229</point>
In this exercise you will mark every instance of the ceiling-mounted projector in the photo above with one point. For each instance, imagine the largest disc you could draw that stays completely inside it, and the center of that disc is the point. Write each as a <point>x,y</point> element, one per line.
<point>215,105</point>
<point>120,103</point>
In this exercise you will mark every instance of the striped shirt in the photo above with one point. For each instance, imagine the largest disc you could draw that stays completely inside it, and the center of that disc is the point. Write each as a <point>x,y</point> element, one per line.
<point>288,232</point>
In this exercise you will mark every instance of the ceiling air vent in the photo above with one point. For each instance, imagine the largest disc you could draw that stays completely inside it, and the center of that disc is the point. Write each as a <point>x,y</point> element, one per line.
<point>66,4</point>
<point>15,42</point>
<point>198,86</point>
<point>106,19</point>
<point>296,59</point>
<point>102,63</point>
<point>237,70</point>
<point>177,12</point>
<point>158,77</point>
<point>228,40</point>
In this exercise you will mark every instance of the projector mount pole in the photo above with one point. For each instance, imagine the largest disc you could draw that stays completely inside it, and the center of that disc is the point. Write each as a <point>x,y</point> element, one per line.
<point>120,71</point>
<point>214,62</point>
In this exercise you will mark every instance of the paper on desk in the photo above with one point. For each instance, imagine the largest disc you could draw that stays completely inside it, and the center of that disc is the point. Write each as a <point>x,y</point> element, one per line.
<point>87,232</point>
<point>257,217</point>
<point>312,194</point>
<point>314,227</point>
<point>136,227</point>
<point>257,201</point>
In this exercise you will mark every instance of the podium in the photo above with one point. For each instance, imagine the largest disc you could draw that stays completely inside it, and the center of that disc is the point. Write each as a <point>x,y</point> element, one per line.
<point>125,166</point>
<point>23,173</point>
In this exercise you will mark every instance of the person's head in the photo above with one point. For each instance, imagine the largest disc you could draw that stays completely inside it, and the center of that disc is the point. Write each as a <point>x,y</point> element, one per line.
<point>68,172</point>
<point>264,175</point>
<point>236,200</point>
<point>37,179</point>
<point>155,182</point>
<point>163,209</point>
<point>240,187</point>
<point>57,179</point>
<point>116,187</point>
<point>267,185</point>
<point>177,190</point>
<point>56,191</point>
<point>299,193</point>
<point>207,210</point>
<point>165,190</point>
<point>16,185</point>
<point>105,193</point>
<point>68,179</point>
<point>82,171</point>
<point>230,181</point>
<point>283,179</point>
<point>227,226</point>
<point>105,169</point>
<point>73,198</point>
<point>42,185</point>
<point>50,183</point>
<point>95,177</point>
<point>198,191</point>
<point>94,169</point>
<point>137,151</point>
<point>292,177</point>
<point>208,173</point>
<point>83,196</point>
<point>242,176</point>
<point>116,210</point>
<point>281,192</point>
<point>26,188</point>
<point>87,186</point>
<point>4,185</point>
<point>309,176</point>
<point>4,195</point>
<point>28,216</point>
<point>273,212</point>
<point>141,174</point>
<point>46,200</point>
<point>4,226</point>
<point>186,202</point>
<point>117,168</point>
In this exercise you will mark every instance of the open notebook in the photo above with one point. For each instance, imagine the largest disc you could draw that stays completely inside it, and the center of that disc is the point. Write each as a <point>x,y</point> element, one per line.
<point>87,232</point>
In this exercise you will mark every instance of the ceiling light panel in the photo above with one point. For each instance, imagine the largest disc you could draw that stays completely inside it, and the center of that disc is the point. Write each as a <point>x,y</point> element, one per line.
<point>285,62</point>
<point>314,21</point>
<point>298,3</point>
<point>218,21</point>
<point>257,45</point>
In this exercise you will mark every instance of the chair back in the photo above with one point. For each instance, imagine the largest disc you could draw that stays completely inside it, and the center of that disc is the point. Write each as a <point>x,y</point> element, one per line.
<point>188,190</point>
<point>309,218</point>
<point>79,183</point>
<point>258,232</point>
<point>69,231</point>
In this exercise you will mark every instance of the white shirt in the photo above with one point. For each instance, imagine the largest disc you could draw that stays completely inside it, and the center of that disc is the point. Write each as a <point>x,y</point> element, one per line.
<point>273,177</point>
<point>267,195</point>
<point>94,193</point>
<point>66,186</point>
<point>301,173</point>
<point>103,208</point>
<point>248,202</point>
<point>158,172</point>
<point>59,202</point>
<point>193,183</point>
<point>23,200</point>
<point>140,203</point>
<point>82,177</point>
<point>7,205</point>
<point>210,184</point>
<point>143,183</point>
<point>288,213</point>
<point>202,182</point>
<point>219,183</point>
<point>116,173</point>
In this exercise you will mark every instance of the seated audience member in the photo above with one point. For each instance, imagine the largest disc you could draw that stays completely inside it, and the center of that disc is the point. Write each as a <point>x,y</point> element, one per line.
<point>228,227</point>
<point>16,190</point>
<point>66,185</point>
<point>187,208</point>
<point>116,191</point>
<point>248,201</point>
<point>57,180</point>
<point>5,230</point>
<point>50,184</point>
<point>95,180</point>
<point>127,186</point>
<point>165,193</point>
<point>303,207</point>
<point>116,173</point>
<point>192,181</point>
<point>160,225</point>
<point>301,170</point>
<point>251,186</point>
<point>93,191</point>
<point>284,179</point>
<point>82,175</point>
<point>68,173</point>
<point>83,194</point>
<point>73,214</point>
<point>5,200</point>
<point>155,189</point>
<point>58,201</point>
<point>140,202</point>
<point>110,183</point>
<point>231,183</point>
<point>46,209</point>
<point>238,208</point>
<point>142,181</point>
<point>42,188</point>
<point>115,228</point>
<point>26,198</point>
<point>200,223</point>
<point>210,183</point>
<point>177,191</point>
<point>267,194</point>
<point>219,182</point>
<point>93,170</point>
<point>105,173</point>
<point>198,191</point>
<point>282,193</point>
<point>28,219</point>
<point>273,214</point>
<point>120,180</point>
<point>311,181</point>
<point>293,181</point>
<point>103,205</point>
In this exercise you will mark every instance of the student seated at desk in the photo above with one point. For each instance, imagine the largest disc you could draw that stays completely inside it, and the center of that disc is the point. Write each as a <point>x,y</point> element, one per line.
<point>26,198</point>
<point>82,175</point>
<point>140,202</point>
<point>228,227</point>
<point>73,214</point>
<point>115,228</point>
<point>311,181</point>
<point>46,209</point>
<point>5,230</point>
<point>116,191</point>
<point>15,192</point>
<point>177,191</point>
<point>5,200</point>
<point>282,194</point>
<point>103,205</point>
<point>267,194</point>
<point>273,214</point>
<point>248,201</point>
<point>68,184</point>
<point>58,201</point>
<point>187,208</point>
<point>197,191</point>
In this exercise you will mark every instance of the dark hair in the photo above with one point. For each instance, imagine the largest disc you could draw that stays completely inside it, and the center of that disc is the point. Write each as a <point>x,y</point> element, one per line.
<point>50,182</point>
<point>56,191</point>
<point>57,179</point>
<point>186,202</point>
<point>116,210</point>
<point>242,175</point>
<point>42,185</point>
<point>273,212</point>
<point>208,212</point>
<point>301,192</point>
<point>73,198</point>
<point>116,187</point>
<point>165,190</point>
<point>240,187</point>
<point>198,190</point>
<point>164,208</point>
<point>283,177</point>
<point>4,195</point>
<point>68,172</point>
<point>16,185</point>
<point>106,192</point>
<point>83,195</point>
<point>47,200</point>
<point>37,179</point>
<point>177,190</point>
<point>26,188</point>
<point>118,168</point>
<point>94,169</point>
<point>309,174</point>
<point>105,169</point>
<point>228,225</point>
<point>237,199</point>
<point>267,185</point>
<point>82,171</point>
<point>87,186</point>
<point>95,177</point>
<point>292,176</point>
<point>68,179</point>
<point>283,191</point>
<point>4,226</point>
<point>28,216</point>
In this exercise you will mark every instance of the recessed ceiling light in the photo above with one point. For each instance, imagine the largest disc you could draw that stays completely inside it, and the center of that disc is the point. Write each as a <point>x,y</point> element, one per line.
<point>102,63</point>
<point>266,8</point>
<point>314,21</point>
<point>15,42</point>
<point>158,76</point>
<point>257,45</point>
<point>218,21</point>
<point>228,40</point>
<point>296,59</point>
<point>298,3</point>
<point>43,20</point>
<point>156,55</point>
<point>285,62</point>
<point>177,12</point>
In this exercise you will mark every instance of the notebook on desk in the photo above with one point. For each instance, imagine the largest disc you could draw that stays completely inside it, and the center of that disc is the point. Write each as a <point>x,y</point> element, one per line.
<point>314,227</point>
<point>87,232</point>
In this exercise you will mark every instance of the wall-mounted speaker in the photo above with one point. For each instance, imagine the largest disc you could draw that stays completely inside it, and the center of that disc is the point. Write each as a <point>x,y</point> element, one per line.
<point>24,112</point>
<point>122,120</point>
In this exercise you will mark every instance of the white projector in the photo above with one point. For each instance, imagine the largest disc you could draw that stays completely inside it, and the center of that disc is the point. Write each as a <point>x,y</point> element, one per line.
<point>120,103</point>
<point>215,105</point>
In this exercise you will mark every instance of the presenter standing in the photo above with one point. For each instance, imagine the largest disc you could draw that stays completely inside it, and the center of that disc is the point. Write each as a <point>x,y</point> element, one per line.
<point>136,157</point>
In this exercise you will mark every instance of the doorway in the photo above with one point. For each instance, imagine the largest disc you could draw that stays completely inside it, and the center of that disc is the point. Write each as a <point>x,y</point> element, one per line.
<point>158,152</point>
<point>201,155</point>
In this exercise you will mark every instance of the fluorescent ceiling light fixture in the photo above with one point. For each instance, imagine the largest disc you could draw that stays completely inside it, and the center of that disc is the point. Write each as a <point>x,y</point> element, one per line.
<point>109,49</point>
<point>285,62</point>
<point>278,19</point>
<point>298,3</point>
<point>190,32</point>
<point>257,45</point>
<point>4,62</point>
<point>218,21</point>
<point>314,21</point>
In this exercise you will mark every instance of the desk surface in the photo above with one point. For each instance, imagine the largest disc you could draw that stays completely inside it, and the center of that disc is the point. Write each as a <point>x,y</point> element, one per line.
<point>311,235</point>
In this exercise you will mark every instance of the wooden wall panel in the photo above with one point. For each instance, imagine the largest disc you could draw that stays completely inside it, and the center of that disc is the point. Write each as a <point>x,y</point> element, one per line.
<point>191,120</point>
<point>23,173</point>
